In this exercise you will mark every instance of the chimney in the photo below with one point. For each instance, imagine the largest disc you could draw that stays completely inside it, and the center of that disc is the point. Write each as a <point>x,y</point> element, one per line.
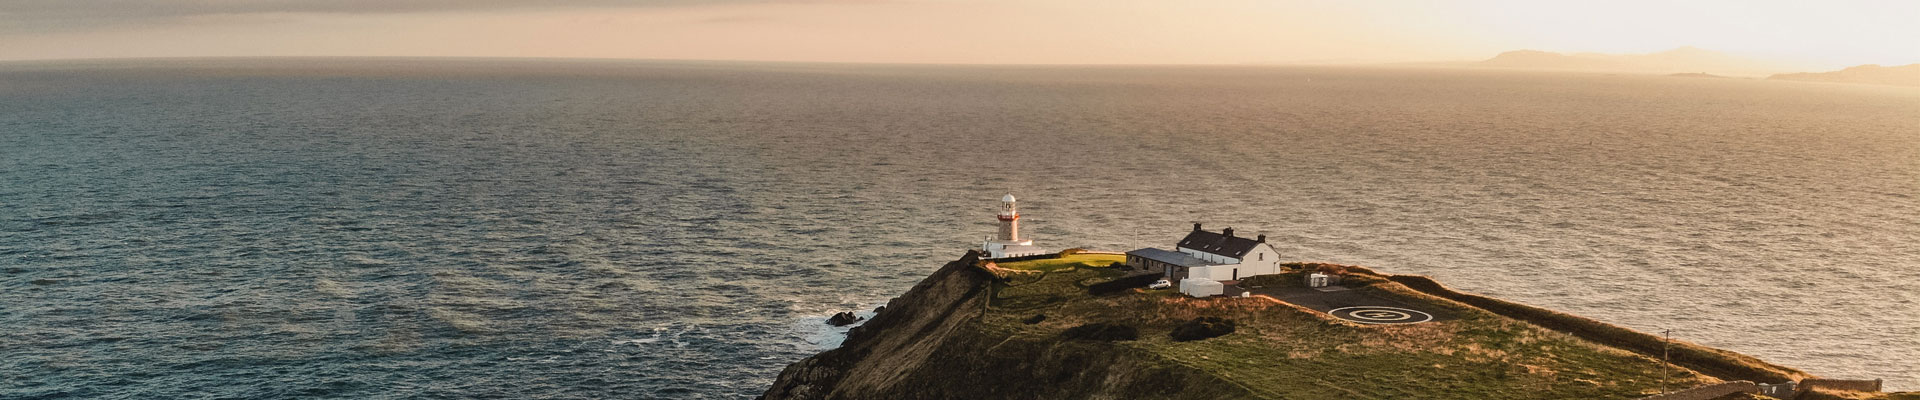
<point>1262,238</point>
<point>1196,227</point>
<point>1227,232</point>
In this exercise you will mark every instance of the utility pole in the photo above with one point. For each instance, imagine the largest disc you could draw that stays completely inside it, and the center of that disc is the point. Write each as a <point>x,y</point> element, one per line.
<point>1665,348</point>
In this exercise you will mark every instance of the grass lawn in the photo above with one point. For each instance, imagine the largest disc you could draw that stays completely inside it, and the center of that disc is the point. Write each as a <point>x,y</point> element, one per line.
<point>1072,261</point>
<point>1052,281</point>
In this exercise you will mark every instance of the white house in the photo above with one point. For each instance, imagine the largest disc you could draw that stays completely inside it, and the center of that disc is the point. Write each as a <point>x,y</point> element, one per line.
<point>1204,255</point>
<point>1009,243</point>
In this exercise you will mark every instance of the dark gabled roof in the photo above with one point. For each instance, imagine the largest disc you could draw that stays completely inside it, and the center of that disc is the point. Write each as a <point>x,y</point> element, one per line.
<point>1216,243</point>
<point>1170,257</point>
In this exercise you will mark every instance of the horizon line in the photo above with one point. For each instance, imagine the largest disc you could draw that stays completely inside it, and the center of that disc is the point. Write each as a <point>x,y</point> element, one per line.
<point>706,60</point>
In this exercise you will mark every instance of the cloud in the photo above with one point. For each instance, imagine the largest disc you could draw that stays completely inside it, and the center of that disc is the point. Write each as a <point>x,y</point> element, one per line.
<point>27,16</point>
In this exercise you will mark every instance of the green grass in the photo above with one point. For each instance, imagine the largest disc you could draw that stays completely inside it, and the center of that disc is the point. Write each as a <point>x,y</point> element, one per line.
<point>1055,283</point>
<point>1280,351</point>
<point>1072,261</point>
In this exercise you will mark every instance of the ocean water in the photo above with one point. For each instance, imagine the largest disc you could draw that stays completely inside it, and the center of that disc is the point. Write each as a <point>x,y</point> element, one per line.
<point>395,228</point>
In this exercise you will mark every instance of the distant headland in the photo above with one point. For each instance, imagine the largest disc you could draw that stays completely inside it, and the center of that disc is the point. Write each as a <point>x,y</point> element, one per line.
<point>1242,325</point>
<point>1679,60</point>
<point>1905,75</point>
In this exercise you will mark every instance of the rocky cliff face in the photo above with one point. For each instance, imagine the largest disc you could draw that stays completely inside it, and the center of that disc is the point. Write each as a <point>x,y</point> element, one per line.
<point>928,344</point>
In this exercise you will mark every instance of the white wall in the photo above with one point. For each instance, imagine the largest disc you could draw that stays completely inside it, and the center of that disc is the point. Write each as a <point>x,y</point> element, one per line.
<point>1217,272</point>
<point>998,249</point>
<point>1263,260</point>
<point>1201,287</point>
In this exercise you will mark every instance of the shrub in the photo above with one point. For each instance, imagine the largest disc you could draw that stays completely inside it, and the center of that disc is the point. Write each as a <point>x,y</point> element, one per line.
<point>1202,328</point>
<point>1289,279</point>
<point>1330,269</point>
<point>1122,284</point>
<point>1101,331</point>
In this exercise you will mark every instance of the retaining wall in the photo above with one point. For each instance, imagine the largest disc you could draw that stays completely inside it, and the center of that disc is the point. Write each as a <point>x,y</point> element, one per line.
<point>1708,392</point>
<point>1857,385</point>
<point>1022,258</point>
<point>1782,390</point>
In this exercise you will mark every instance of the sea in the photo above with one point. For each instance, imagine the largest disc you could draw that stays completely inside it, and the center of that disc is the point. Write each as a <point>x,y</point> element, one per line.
<point>394,228</point>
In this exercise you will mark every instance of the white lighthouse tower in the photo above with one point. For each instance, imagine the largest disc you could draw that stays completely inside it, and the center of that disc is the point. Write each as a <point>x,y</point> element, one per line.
<point>1009,243</point>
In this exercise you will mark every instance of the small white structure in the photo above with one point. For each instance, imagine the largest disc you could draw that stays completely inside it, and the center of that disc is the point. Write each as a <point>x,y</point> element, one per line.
<point>1009,243</point>
<point>1316,279</point>
<point>1202,287</point>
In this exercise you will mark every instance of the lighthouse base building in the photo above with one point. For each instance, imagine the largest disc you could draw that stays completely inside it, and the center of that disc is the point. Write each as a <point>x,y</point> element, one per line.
<point>998,249</point>
<point>1009,243</point>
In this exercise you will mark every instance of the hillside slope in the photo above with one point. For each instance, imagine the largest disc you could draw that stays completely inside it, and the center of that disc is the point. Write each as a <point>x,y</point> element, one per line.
<point>927,344</point>
<point>966,333</point>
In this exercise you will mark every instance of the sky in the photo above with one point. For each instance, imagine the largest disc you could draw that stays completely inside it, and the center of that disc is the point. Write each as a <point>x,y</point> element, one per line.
<point>1826,34</point>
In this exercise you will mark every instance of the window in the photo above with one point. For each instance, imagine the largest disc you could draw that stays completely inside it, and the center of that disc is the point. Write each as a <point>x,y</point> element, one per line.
<point>1263,256</point>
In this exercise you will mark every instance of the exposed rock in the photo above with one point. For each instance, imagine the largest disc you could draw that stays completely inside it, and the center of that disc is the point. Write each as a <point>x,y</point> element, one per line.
<point>843,319</point>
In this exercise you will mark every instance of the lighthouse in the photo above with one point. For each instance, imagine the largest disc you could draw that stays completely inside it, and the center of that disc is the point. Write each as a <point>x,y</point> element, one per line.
<point>1009,219</point>
<point>1009,243</point>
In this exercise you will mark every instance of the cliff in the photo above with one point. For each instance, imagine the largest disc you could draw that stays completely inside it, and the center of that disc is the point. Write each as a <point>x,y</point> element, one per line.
<point>967,333</point>
<point>929,344</point>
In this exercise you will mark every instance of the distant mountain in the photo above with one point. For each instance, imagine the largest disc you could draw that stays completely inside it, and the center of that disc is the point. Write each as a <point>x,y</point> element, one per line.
<point>1684,59</point>
<point>1696,75</point>
<point>1905,75</point>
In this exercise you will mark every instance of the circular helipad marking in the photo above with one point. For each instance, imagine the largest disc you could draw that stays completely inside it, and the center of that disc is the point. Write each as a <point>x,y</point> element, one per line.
<point>1381,315</point>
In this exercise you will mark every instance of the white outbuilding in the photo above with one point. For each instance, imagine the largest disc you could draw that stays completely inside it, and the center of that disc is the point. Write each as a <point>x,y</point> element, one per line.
<point>1202,287</point>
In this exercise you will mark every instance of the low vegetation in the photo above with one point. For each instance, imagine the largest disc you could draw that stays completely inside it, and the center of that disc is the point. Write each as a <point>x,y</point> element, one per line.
<point>1076,260</point>
<point>1289,279</point>
<point>1202,328</point>
<point>1277,350</point>
<point>1718,362</point>
<point>1102,331</point>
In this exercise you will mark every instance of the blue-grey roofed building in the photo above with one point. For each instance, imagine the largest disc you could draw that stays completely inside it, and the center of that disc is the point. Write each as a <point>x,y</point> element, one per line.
<point>1216,256</point>
<point>1172,264</point>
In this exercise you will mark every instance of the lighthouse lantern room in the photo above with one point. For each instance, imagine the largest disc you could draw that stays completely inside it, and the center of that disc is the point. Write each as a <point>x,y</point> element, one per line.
<point>1009,243</point>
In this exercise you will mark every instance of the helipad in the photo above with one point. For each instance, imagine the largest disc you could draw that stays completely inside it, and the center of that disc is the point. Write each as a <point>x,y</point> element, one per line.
<point>1352,305</point>
<point>1380,315</point>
